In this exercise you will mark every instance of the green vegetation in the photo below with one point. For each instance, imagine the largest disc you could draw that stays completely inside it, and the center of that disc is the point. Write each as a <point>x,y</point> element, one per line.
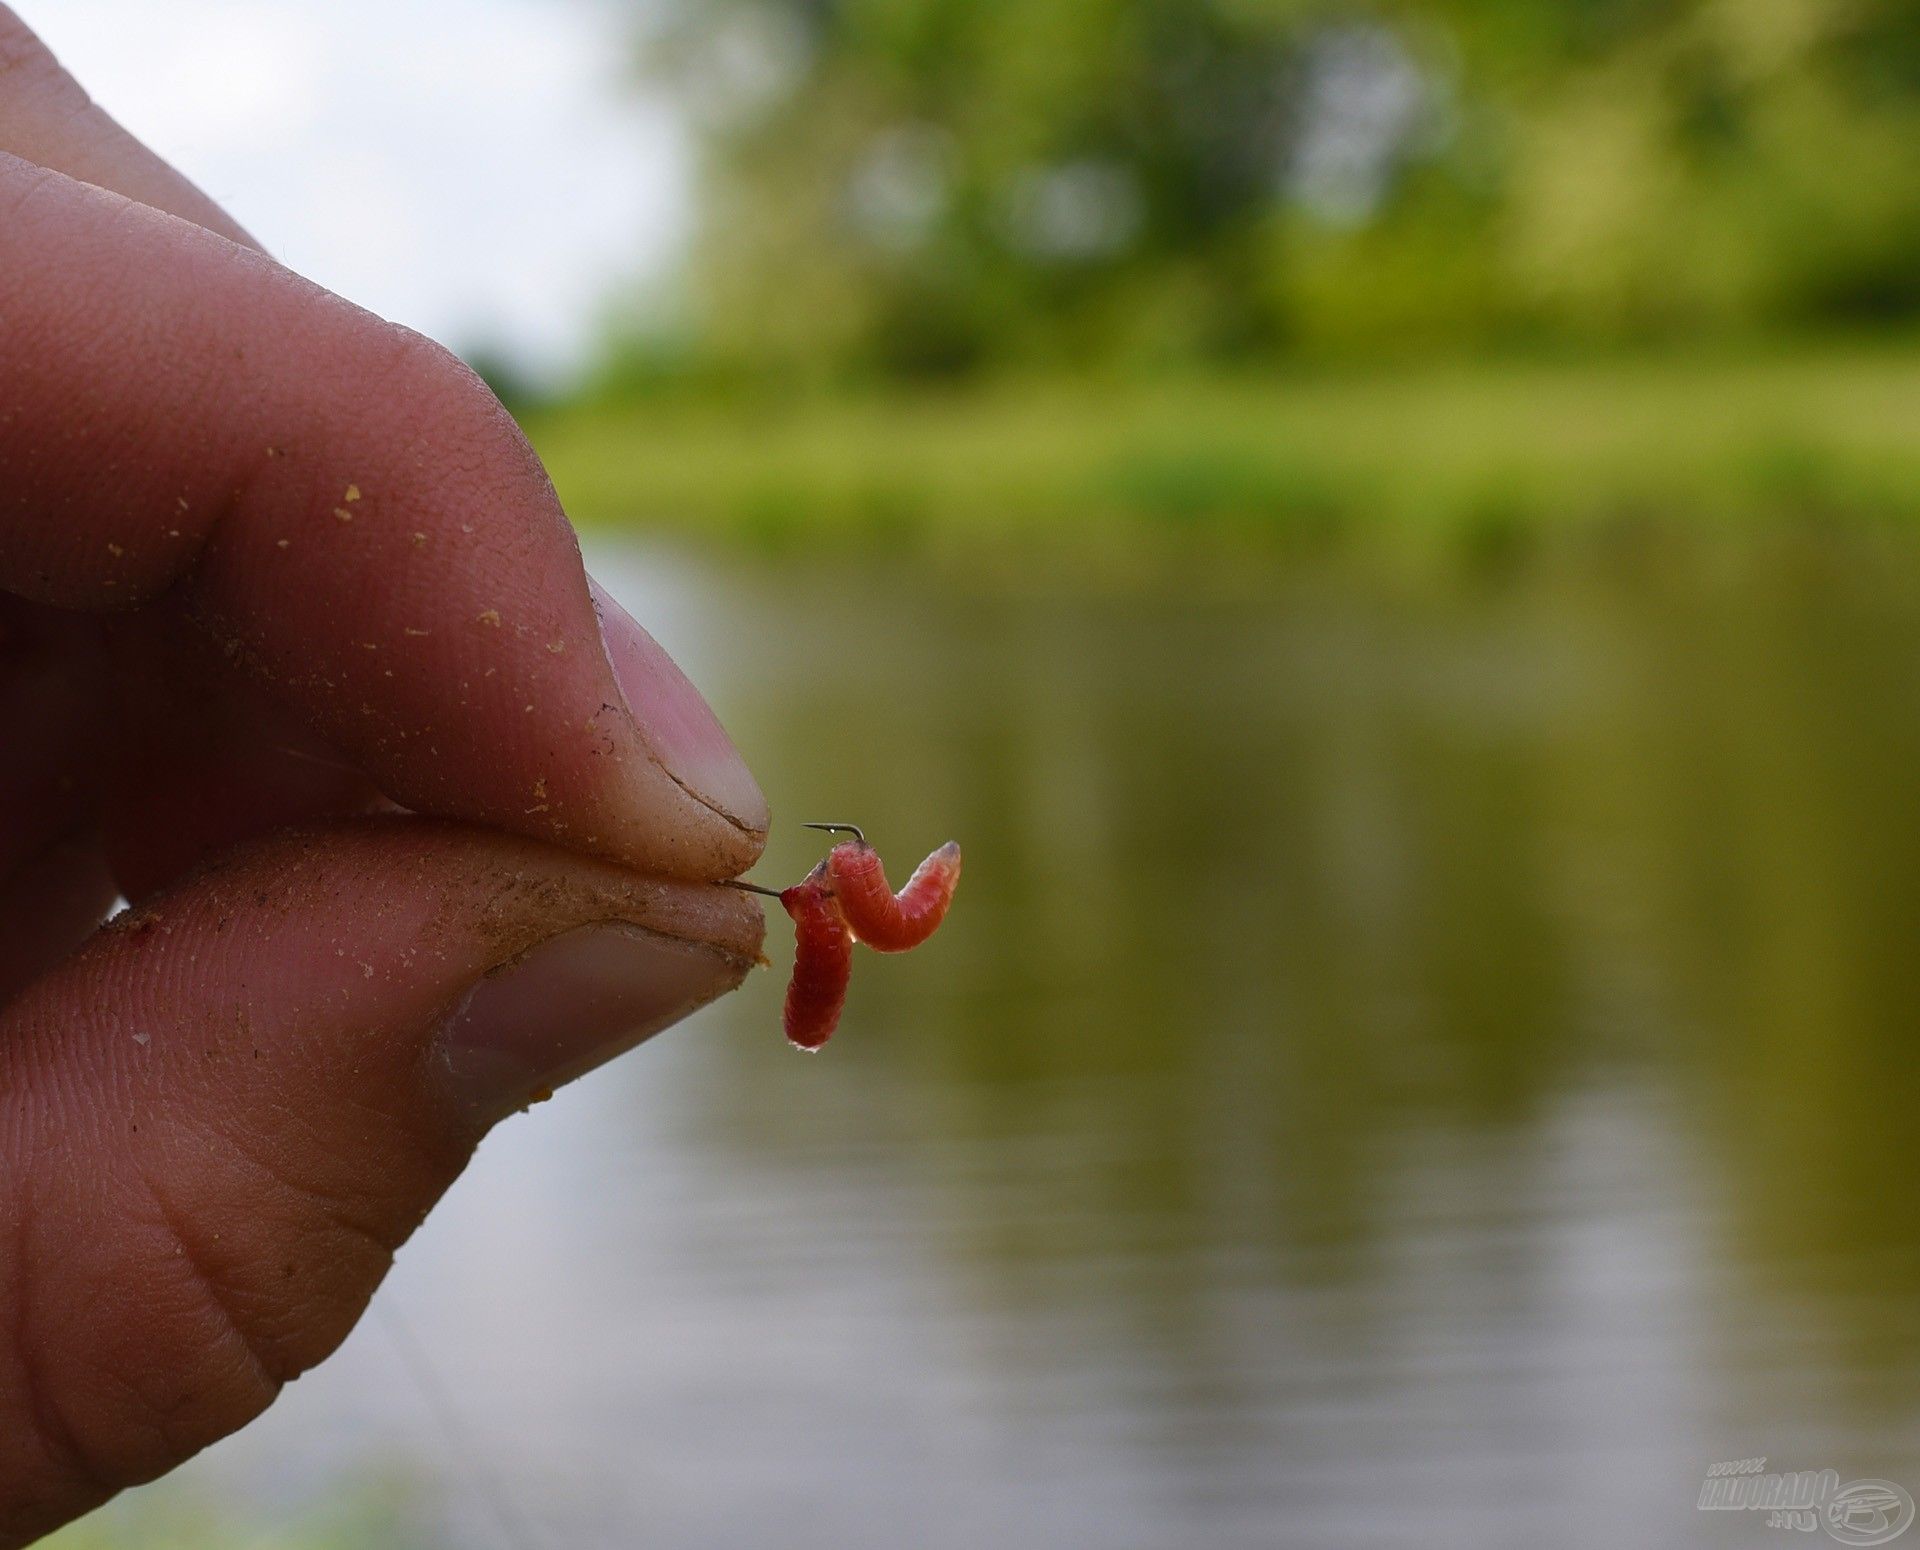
<point>1138,282</point>
<point>176,1517</point>
<point>1438,456</point>
<point>913,188</point>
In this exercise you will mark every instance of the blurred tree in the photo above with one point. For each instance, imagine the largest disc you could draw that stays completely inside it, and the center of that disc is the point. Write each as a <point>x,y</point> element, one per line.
<point>935,186</point>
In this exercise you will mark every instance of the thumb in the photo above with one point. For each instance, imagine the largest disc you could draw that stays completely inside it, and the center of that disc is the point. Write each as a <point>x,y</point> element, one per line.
<point>220,1119</point>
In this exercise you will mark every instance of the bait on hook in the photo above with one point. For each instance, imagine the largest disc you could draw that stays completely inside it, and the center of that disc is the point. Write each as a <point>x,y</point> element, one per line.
<point>886,921</point>
<point>846,899</point>
<point>822,961</point>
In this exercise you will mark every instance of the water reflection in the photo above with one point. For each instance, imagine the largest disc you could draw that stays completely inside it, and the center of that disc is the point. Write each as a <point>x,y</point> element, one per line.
<point>1407,1067</point>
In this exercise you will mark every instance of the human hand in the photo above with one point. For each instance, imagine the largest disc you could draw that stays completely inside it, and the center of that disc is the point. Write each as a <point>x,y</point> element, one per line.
<point>266,560</point>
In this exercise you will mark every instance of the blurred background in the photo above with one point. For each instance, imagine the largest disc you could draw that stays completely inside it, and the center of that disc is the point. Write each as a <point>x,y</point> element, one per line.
<point>1392,533</point>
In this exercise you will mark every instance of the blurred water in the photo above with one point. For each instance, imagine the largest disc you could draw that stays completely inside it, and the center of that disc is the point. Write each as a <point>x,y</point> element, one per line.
<point>1409,1066</point>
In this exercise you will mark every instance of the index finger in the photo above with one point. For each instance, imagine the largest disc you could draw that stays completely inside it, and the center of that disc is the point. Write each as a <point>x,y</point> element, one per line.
<point>352,515</point>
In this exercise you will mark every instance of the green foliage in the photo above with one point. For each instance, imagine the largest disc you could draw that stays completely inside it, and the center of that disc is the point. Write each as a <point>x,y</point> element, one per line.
<point>373,1515</point>
<point>928,187</point>
<point>1445,457</point>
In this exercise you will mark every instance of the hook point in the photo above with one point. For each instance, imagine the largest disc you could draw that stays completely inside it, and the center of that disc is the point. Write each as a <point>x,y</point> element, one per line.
<point>840,828</point>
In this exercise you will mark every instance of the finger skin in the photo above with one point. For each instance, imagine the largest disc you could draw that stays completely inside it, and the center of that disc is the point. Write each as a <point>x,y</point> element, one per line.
<point>219,1119</point>
<point>204,759</point>
<point>341,504</point>
<point>47,118</point>
<point>56,712</point>
<point>54,738</point>
<point>50,904</point>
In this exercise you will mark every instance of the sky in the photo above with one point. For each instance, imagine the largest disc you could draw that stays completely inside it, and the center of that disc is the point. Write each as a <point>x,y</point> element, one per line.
<point>481,170</point>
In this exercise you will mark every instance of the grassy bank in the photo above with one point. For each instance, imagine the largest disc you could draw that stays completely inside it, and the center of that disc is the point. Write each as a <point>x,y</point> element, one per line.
<point>1416,459</point>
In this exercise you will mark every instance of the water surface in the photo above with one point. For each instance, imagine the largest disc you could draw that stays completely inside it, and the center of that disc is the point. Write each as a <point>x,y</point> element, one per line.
<point>1409,1066</point>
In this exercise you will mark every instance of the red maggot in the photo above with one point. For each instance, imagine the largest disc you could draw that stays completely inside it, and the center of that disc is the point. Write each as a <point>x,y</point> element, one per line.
<point>886,921</point>
<point>822,960</point>
<point>845,899</point>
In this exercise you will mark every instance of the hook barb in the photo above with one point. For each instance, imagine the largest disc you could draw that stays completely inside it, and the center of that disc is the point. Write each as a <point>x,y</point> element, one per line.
<point>840,828</point>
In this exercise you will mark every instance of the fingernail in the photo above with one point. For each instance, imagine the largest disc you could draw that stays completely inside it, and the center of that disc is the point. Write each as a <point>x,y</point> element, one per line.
<point>571,1004</point>
<point>678,724</point>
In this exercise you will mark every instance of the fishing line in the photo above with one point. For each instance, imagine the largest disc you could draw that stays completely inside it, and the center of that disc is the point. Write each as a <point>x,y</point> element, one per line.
<point>516,1529</point>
